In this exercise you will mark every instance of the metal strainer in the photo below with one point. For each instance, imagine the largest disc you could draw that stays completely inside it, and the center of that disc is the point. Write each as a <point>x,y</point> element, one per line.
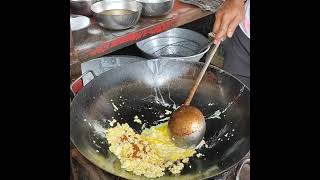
<point>177,42</point>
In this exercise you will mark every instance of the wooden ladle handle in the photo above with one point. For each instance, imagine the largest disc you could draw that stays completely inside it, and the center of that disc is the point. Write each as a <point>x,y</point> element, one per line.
<point>212,52</point>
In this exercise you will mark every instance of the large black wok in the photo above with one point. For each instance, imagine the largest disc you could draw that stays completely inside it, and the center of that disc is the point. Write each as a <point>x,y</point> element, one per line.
<point>149,88</point>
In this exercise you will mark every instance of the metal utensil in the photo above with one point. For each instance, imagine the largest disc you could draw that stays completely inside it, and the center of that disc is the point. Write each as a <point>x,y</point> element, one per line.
<point>156,7</point>
<point>117,15</point>
<point>187,124</point>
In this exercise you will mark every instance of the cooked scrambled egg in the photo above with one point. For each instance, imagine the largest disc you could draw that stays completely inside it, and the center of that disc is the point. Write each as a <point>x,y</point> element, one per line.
<point>148,154</point>
<point>137,120</point>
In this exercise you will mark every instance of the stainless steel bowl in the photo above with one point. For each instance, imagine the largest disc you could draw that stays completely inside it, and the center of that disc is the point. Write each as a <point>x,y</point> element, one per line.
<point>82,7</point>
<point>117,15</point>
<point>175,43</point>
<point>79,27</point>
<point>156,7</point>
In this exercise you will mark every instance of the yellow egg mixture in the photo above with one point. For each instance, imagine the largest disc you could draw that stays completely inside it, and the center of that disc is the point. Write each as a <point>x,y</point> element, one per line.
<point>148,154</point>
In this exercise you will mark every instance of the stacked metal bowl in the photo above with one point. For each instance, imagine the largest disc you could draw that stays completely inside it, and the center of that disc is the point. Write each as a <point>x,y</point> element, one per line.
<point>156,7</point>
<point>117,14</point>
<point>120,14</point>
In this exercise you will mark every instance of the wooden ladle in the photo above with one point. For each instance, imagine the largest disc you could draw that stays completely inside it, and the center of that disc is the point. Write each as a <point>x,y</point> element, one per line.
<point>187,124</point>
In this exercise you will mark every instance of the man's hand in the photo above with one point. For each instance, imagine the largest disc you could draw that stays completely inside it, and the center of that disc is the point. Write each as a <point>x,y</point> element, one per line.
<point>228,17</point>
